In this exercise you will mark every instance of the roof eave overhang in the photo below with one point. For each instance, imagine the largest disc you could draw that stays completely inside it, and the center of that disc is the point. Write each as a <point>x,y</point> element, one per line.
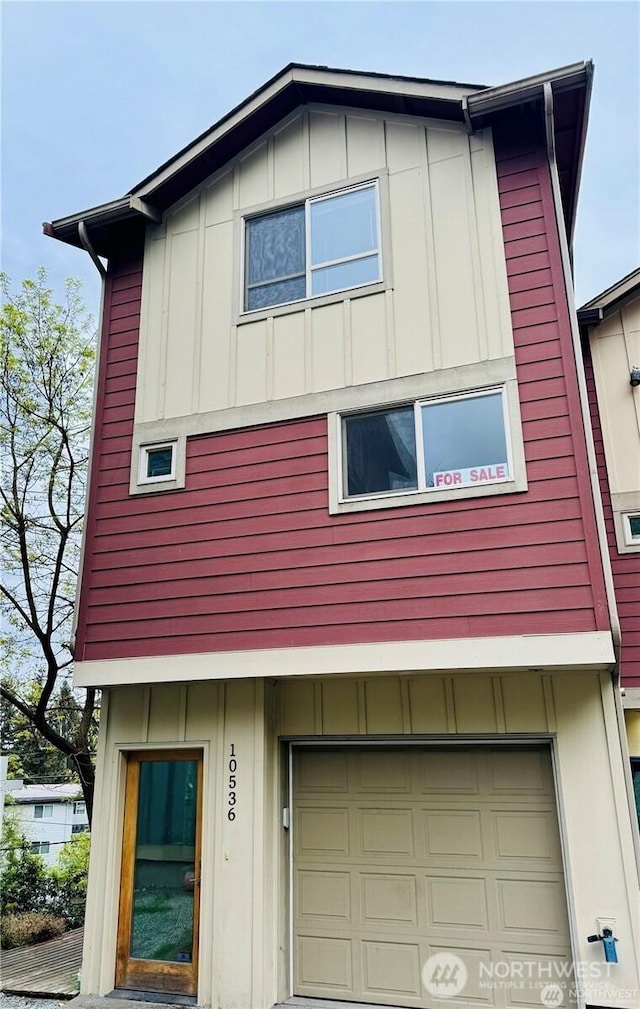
<point>611,300</point>
<point>571,89</point>
<point>300,85</point>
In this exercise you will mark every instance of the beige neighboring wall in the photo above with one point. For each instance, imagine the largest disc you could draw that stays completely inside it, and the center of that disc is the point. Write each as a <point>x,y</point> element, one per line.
<point>615,349</point>
<point>632,723</point>
<point>440,221</point>
<point>245,898</point>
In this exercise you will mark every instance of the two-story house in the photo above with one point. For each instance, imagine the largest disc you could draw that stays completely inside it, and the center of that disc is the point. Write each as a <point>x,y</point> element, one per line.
<point>346,586</point>
<point>47,815</point>
<point>611,330</point>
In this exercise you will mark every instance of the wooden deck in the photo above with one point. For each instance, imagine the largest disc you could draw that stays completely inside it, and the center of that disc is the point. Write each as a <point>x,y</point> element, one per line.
<point>49,969</point>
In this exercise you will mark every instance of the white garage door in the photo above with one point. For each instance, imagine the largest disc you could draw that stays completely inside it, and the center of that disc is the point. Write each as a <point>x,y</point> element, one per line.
<point>400,854</point>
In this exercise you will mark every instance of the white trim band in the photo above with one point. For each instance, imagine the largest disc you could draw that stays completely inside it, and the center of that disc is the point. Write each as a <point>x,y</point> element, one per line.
<point>562,652</point>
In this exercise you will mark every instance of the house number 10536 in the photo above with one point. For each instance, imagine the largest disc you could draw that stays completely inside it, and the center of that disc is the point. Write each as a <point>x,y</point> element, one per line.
<point>232,767</point>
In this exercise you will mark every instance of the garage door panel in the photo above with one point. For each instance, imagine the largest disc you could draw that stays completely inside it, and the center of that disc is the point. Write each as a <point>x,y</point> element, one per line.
<point>525,835</point>
<point>544,965</point>
<point>447,772</point>
<point>385,833</point>
<point>322,894</point>
<point>391,969</point>
<point>532,906</point>
<point>388,899</point>
<point>322,832</point>
<point>525,772</point>
<point>457,902</point>
<point>324,771</point>
<point>383,772</point>
<point>411,852</point>
<point>324,963</point>
<point>452,832</point>
<point>474,957</point>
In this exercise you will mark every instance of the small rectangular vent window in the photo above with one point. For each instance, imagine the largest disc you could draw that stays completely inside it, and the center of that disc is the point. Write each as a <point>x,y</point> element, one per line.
<point>157,463</point>
<point>632,528</point>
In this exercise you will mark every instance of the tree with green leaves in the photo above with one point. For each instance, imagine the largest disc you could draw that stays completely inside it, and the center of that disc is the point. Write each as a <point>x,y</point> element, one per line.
<point>23,875</point>
<point>47,355</point>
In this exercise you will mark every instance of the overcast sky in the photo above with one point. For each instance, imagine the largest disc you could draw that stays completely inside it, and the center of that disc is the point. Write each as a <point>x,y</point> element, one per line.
<point>95,95</point>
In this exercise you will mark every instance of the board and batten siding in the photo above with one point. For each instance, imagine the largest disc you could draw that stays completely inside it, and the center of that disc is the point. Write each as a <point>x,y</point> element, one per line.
<point>439,205</point>
<point>625,566</point>
<point>247,556</point>
<point>244,938</point>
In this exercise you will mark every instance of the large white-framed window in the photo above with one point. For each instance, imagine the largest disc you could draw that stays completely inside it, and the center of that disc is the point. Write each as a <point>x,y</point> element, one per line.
<point>42,810</point>
<point>430,448</point>
<point>325,244</point>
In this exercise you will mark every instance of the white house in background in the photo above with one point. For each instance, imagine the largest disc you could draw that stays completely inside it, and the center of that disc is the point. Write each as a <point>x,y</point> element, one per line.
<point>49,815</point>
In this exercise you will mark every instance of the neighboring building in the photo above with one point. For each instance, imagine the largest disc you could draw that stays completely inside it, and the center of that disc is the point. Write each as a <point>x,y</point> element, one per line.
<point>346,586</point>
<point>48,815</point>
<point>611,339</point>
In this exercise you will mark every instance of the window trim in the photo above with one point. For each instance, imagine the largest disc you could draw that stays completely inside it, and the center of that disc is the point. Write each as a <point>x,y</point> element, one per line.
<point>139,482</point>
<point>339,503</point>
<point>629,539</point>
<point>379,179</point>
<point>310,266</point>
<point>625,505</point>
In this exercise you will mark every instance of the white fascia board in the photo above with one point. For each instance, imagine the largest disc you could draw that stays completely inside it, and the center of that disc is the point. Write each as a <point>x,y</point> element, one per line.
<point>554,652</point>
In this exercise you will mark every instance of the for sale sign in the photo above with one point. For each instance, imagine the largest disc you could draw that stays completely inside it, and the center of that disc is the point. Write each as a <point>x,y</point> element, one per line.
<point>470,477</point>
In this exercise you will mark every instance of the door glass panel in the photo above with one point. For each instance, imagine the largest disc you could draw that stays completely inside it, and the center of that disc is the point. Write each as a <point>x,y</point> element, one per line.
<point>164,871</point>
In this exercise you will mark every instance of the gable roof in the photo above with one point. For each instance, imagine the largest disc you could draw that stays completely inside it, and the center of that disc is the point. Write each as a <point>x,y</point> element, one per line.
<point>609,301</point>
<point>301,84</point>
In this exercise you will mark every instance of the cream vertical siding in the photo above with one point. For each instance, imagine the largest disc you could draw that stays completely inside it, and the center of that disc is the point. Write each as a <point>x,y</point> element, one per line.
<point>445,302</point>
<point>615,348</point>
<point>244,945</point>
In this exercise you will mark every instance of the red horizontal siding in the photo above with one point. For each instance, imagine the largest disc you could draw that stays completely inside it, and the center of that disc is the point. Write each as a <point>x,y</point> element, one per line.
<point>625,567</point>
<point>247,555</point>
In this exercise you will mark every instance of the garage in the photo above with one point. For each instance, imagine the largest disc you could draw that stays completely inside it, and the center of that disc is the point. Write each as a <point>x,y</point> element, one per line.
<point>400,853</point>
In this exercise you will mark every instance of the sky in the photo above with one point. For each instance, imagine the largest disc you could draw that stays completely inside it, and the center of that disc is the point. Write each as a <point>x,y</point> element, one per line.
<point>96,95</point>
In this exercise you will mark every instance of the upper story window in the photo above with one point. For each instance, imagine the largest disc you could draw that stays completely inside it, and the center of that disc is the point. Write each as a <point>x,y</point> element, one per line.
<point>326,244</point>
<point>41,810</point>
<point>79,808</point>
<point>451,443</point>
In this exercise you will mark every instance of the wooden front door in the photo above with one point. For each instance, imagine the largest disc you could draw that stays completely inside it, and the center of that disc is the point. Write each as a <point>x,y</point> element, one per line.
<point>160,883</point>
